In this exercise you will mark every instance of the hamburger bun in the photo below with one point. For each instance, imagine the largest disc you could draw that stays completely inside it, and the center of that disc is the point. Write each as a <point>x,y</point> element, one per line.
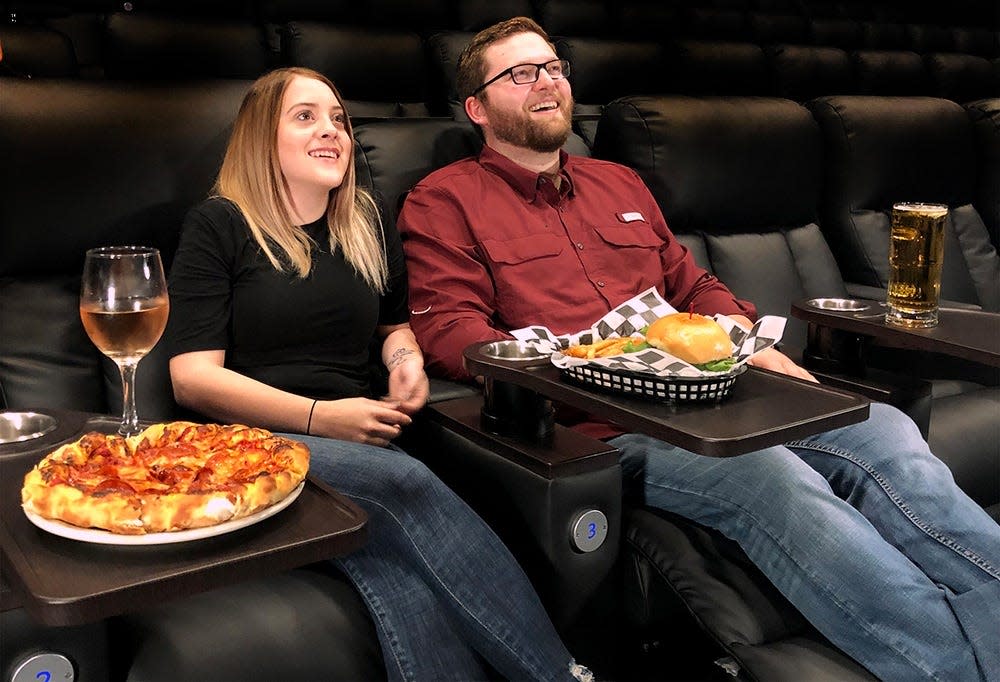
<point>691,337</point>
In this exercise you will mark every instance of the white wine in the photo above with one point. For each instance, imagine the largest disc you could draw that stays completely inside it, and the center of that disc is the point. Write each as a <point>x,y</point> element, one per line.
<point>129,333</point>
<point>916,254</point>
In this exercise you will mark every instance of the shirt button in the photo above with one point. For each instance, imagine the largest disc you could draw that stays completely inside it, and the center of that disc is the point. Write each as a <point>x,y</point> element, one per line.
<point>579,245</point>
<point>600,283</point>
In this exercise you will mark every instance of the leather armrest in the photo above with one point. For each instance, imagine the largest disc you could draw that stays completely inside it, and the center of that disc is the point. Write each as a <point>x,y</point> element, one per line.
<point>443,389</point>
<point>532,495</point>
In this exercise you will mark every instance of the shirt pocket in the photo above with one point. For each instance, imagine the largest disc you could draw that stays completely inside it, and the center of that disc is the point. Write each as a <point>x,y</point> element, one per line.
<point>636,235</point>
<point>523,249</point>
<point>518,265</point>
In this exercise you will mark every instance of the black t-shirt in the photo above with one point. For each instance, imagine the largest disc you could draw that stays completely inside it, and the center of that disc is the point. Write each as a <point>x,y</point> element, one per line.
<point>308,336</point>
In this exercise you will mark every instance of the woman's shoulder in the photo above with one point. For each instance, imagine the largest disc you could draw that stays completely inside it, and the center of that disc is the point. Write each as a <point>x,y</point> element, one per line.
<point>217,210</point>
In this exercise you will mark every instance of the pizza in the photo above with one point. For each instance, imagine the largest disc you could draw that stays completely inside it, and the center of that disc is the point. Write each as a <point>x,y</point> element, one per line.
<point>170,477</point>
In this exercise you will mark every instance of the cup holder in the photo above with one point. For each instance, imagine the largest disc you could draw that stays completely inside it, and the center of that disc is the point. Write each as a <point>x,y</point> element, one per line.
<point>16,427</point>
<point>843,305</point>
<point>520,351</point>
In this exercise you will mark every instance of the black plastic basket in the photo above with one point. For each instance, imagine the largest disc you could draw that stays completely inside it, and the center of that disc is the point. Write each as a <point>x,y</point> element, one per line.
<point>652,387</point>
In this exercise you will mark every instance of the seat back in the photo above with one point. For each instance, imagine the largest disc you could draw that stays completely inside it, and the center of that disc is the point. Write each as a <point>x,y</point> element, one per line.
<point>36,52</point>
<point>801,72</point>
<point>90,164</point>
<point>381,72</point>
<point>604,70</point>
<point>740,175</point>
<point>985,116</point>
<point>162,47</point>
<point>881,150</point>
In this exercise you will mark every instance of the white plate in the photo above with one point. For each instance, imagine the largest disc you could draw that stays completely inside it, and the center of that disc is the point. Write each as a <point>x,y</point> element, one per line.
<point>103,537</point>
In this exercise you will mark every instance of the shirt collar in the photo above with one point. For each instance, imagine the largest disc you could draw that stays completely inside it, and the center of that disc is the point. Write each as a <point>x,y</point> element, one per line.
<point>522,180</point>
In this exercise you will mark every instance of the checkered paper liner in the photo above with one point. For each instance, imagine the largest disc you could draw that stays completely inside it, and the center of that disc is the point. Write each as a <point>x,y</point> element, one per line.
<point>651,373</point>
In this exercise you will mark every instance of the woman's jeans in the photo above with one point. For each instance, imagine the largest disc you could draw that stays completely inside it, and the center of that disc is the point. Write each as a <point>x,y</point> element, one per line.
<point>440,585</point>
<point>862,529</point>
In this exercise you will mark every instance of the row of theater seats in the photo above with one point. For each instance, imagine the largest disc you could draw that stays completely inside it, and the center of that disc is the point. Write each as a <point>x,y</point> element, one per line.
<point>782,200</point>
<point>400,73</point>
<point>962,26</point>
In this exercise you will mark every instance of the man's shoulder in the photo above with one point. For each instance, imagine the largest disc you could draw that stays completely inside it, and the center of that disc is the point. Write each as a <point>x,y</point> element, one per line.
<point>452,174</point>
<point>588,164</point>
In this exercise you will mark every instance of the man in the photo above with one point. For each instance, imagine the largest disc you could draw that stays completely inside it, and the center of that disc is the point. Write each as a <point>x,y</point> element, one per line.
<point>905,577</point>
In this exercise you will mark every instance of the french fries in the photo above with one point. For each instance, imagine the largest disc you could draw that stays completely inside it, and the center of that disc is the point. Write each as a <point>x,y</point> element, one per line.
<point>602,349</point>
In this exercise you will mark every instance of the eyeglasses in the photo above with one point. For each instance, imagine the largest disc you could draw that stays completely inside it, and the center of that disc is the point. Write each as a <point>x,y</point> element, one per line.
<point>522,74</point>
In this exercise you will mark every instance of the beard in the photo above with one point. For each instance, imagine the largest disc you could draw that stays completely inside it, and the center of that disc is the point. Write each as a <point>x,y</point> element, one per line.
<point>540,136</point>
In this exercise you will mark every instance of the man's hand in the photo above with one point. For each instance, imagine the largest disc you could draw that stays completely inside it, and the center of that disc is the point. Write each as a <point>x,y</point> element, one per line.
<point>408,385</point>
<point>777,361</point>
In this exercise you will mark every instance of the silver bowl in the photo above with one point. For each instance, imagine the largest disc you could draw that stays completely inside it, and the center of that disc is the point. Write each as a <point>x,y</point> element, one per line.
<point>844,305</point>
<point>512,350</point>
<point>21,426</point>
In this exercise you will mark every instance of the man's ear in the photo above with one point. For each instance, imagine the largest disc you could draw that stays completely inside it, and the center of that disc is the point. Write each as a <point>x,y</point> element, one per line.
<point>475,110</point>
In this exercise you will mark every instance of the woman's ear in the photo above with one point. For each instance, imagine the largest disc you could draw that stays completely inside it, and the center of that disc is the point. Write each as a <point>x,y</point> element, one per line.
<point>475,110</point>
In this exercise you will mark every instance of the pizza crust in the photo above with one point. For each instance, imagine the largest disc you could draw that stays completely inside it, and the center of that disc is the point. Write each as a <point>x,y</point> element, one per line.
<point>172,476</point>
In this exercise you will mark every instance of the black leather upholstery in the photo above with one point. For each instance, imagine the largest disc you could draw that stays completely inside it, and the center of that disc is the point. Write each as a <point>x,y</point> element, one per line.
<point>392,82</point>
<point>881,150</point>
<point>148,47</point>
<point>985,115</point>
<point>305,624</point>
<point>96,163</point>
<point>86,163</point>
<point>741,179</point>
<point>37,52</point>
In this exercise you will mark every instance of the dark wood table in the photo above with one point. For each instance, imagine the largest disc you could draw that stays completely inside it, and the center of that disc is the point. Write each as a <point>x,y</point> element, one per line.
<point>971,335</point>
<point>764,408</point>
<point>67,582</point>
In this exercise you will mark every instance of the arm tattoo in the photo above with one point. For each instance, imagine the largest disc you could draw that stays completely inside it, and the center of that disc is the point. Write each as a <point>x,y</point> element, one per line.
<point>398,357</point>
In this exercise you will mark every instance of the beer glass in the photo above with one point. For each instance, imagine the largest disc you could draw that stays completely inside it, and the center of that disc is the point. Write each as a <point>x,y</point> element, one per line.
<point>124,307</point>
<point>916,252</point>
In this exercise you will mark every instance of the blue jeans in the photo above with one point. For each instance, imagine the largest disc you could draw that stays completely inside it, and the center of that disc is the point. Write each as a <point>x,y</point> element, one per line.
<point>862,529</point>
<point>439,584</point>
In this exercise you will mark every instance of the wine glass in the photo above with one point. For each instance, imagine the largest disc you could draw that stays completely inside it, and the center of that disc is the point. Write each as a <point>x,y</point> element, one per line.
<point>124,307</point>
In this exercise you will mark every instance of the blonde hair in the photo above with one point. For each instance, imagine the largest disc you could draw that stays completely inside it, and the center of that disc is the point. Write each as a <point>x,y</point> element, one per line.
<point>252,179</point>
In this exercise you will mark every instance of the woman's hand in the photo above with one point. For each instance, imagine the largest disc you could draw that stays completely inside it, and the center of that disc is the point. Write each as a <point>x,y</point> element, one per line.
<point>361,420</point>
<point>777,361</point>
<point>408,385</point>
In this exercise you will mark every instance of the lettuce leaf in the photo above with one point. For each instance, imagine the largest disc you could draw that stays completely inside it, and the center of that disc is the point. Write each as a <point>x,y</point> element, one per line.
<point>723,365</point>
<point>634,346</point>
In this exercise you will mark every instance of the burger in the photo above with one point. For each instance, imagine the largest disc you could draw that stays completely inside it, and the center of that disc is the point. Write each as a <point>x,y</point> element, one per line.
<point>693,338</point>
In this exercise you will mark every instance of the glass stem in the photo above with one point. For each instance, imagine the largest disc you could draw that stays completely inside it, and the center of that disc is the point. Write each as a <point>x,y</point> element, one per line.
<point>130,418</point>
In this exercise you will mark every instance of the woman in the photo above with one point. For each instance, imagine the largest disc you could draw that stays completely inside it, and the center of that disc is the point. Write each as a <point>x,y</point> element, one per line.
<point>278,287</point>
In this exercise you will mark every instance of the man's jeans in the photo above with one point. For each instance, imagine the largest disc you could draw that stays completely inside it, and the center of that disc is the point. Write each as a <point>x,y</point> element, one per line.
<point>862,529</point>
<point>438,582</point>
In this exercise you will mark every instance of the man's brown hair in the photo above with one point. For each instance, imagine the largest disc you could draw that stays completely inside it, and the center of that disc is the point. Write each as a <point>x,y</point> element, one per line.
<point>471,70</point>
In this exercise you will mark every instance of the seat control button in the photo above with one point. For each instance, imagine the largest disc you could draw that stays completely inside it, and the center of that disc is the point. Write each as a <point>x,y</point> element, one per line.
<point>590,530</point>
<point>44,667</point>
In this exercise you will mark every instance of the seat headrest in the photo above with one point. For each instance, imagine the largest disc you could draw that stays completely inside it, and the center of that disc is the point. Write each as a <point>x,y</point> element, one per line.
<point>392,155</point>
<point>366,65</point>
<point>887,149</point>
<point>153,47</point>
<point>93,163</point>
<point>762,154</point>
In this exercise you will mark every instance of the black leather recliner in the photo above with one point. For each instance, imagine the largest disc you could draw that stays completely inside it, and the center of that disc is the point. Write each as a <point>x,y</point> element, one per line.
<point>95,163</point>
<point>672,581</point>
<point>880,150</point>
<point>738,180</point>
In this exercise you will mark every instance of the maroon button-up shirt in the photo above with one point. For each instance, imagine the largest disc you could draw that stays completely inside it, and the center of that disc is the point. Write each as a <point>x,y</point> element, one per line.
<point>492,246</point>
